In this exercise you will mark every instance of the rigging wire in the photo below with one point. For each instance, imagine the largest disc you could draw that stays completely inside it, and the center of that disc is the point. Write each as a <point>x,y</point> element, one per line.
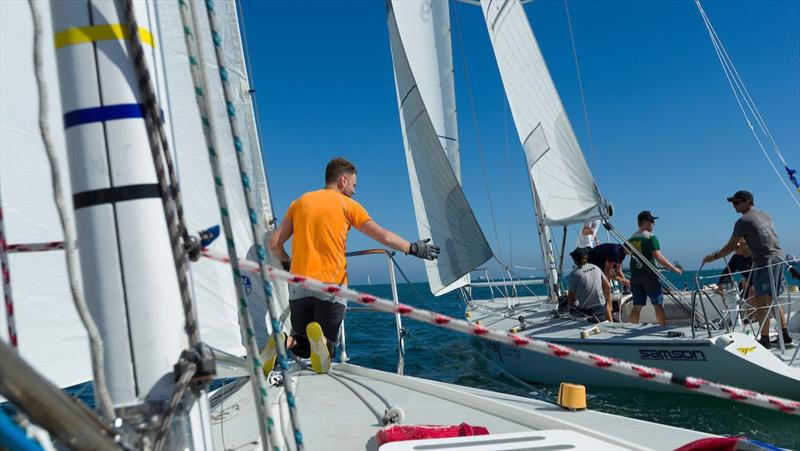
<point>742,95</point>
<point>508,180</point>
<point>580,81</point>
<point>96,346</point>
<point>479,146</point>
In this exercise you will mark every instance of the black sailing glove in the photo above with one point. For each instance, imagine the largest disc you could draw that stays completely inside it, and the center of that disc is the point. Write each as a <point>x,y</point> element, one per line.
<point>424,249</point>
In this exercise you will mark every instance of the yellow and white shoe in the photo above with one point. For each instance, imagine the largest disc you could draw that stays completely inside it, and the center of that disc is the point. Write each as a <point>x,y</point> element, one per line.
<point>270,353</point>
<point>320,357</point>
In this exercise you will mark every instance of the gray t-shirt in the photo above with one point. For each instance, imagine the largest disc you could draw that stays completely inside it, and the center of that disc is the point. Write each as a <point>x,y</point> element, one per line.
<point>587,284</point>
<point>758,231</point>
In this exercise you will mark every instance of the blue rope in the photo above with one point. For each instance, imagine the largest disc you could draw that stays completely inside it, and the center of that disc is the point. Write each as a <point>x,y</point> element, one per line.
<point>13,437</point>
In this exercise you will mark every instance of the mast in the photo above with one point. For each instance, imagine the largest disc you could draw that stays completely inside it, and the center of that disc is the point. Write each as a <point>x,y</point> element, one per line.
<point>127,266</point>
<point>551,275</point>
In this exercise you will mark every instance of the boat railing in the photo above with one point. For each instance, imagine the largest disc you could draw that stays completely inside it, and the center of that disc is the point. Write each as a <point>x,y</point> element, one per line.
<point>509,281</point>
<point>401,332</point>
<point>730,316</point>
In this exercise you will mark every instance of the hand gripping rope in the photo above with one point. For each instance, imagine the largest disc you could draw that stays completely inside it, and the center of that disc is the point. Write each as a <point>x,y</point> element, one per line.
<point>586,358</point>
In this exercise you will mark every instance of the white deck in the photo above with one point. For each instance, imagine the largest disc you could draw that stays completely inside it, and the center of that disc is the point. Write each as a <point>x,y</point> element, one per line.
<point>341,413</point>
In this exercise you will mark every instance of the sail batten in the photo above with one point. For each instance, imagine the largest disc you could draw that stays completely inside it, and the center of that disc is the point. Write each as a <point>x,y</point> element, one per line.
<point>442,211</point>
<point>565,188</point>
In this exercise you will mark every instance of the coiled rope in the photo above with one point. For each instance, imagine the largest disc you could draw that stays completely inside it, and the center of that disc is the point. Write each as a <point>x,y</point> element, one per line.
<point>656,375</point>
<point>267,430</point>
<point>253,215</point>
<point>102,394</point>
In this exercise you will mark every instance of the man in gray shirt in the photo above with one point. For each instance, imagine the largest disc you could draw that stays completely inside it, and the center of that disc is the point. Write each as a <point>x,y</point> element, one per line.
<point>758,231</point>
<point>586,286</point>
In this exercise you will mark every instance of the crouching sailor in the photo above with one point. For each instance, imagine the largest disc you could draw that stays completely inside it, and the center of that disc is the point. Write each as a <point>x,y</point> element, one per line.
<point>319,222</point>
<point>587,283</point>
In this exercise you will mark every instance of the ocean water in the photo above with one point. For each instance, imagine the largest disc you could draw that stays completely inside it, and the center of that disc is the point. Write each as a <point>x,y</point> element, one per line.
<point>446,356</point>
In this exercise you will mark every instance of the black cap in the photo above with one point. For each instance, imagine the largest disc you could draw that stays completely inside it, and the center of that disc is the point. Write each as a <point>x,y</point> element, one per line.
<point>579,253</point>
<point>646,215</point>
<point>742,195</point>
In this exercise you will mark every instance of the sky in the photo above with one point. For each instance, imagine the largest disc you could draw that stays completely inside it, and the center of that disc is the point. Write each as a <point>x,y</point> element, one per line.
<point>667,134</point>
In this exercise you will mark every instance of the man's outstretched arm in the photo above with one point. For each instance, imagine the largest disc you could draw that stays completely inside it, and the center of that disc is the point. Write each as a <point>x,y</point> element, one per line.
<point>278,239</point>
<point>667,264</point>
<point>422,248</point>
<point>729,247</point>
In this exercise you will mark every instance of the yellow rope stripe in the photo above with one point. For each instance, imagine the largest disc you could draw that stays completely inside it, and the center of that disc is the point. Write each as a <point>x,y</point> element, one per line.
<point>81,35</point>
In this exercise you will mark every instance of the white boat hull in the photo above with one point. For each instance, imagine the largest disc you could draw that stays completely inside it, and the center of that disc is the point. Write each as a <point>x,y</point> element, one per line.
<point>732,358</point>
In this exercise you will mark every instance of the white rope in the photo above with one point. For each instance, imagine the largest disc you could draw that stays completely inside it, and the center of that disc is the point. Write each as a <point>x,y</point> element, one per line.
<point>741,95</point>
<point>71,253</point>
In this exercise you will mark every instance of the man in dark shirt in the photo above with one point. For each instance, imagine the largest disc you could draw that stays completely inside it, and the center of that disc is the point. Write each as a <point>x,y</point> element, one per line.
<point>741,262</point>
<point>758,230</point>
<point>609,258</point>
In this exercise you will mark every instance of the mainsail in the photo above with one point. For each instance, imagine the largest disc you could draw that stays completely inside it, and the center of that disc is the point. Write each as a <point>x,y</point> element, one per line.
<point>442,211</point>
<point>565,189</point>
<point>51,336</point>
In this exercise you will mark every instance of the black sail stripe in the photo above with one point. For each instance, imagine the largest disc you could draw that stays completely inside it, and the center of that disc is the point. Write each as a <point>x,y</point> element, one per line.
<point>115,194</point>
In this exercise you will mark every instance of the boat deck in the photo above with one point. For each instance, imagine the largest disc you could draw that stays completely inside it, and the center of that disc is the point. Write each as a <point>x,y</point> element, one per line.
<point>343,411</point>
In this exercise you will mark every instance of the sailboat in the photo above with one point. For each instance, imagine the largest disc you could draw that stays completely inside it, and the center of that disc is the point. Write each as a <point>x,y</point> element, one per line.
<point>698,339</point>
<point>134,292</point>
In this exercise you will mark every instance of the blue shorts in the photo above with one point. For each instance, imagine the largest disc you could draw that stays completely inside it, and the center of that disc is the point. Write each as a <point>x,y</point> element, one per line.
<point>641,289</point>
<point>761,277</point>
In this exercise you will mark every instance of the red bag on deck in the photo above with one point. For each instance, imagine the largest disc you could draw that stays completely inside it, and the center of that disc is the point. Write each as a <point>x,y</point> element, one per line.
<point>400,433</point>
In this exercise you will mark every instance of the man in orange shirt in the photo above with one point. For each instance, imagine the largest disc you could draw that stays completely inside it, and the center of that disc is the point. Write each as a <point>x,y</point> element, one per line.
<point>319,221</point>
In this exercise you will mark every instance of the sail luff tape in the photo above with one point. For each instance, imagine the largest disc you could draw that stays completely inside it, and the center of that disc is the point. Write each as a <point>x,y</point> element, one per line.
<point>94,33</point>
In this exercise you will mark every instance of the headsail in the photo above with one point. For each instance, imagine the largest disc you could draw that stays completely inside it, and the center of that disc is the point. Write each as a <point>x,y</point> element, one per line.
<point>442,211</point>
<point>565,187</point>
<point>51,336</point>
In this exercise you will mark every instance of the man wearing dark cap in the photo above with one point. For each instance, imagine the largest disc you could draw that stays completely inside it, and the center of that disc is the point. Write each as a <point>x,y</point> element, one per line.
<point>587,283</point>
<point>645,283</point>
<point>758,230</point>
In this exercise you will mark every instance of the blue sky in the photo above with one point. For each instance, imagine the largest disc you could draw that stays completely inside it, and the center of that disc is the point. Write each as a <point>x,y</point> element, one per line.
<point>666,130</point>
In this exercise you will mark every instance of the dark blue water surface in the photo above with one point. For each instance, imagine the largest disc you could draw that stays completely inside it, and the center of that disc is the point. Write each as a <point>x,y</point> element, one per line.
<point>438,354</point>
<point>441,355</point>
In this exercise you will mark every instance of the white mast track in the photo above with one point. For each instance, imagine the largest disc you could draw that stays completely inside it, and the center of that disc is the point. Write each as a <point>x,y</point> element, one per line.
<point>655,375</point>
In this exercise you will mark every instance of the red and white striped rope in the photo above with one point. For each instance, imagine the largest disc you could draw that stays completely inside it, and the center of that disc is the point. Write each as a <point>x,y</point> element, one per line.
<point>586,358</point>
<point>34,247</point>
<point>8,300</point>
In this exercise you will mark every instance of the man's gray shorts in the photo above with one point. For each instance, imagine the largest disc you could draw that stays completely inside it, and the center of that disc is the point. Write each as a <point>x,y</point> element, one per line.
<point>762,275</point>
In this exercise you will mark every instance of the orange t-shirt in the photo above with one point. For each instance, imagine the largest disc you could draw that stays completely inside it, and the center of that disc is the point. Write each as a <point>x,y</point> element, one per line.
<point>321,220</point>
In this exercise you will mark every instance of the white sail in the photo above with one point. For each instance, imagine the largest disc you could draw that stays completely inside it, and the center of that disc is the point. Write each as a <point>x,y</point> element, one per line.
<point>442,211</point>
<point>566,189</point>
<point>424,27</point>
<point>50,334</point>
